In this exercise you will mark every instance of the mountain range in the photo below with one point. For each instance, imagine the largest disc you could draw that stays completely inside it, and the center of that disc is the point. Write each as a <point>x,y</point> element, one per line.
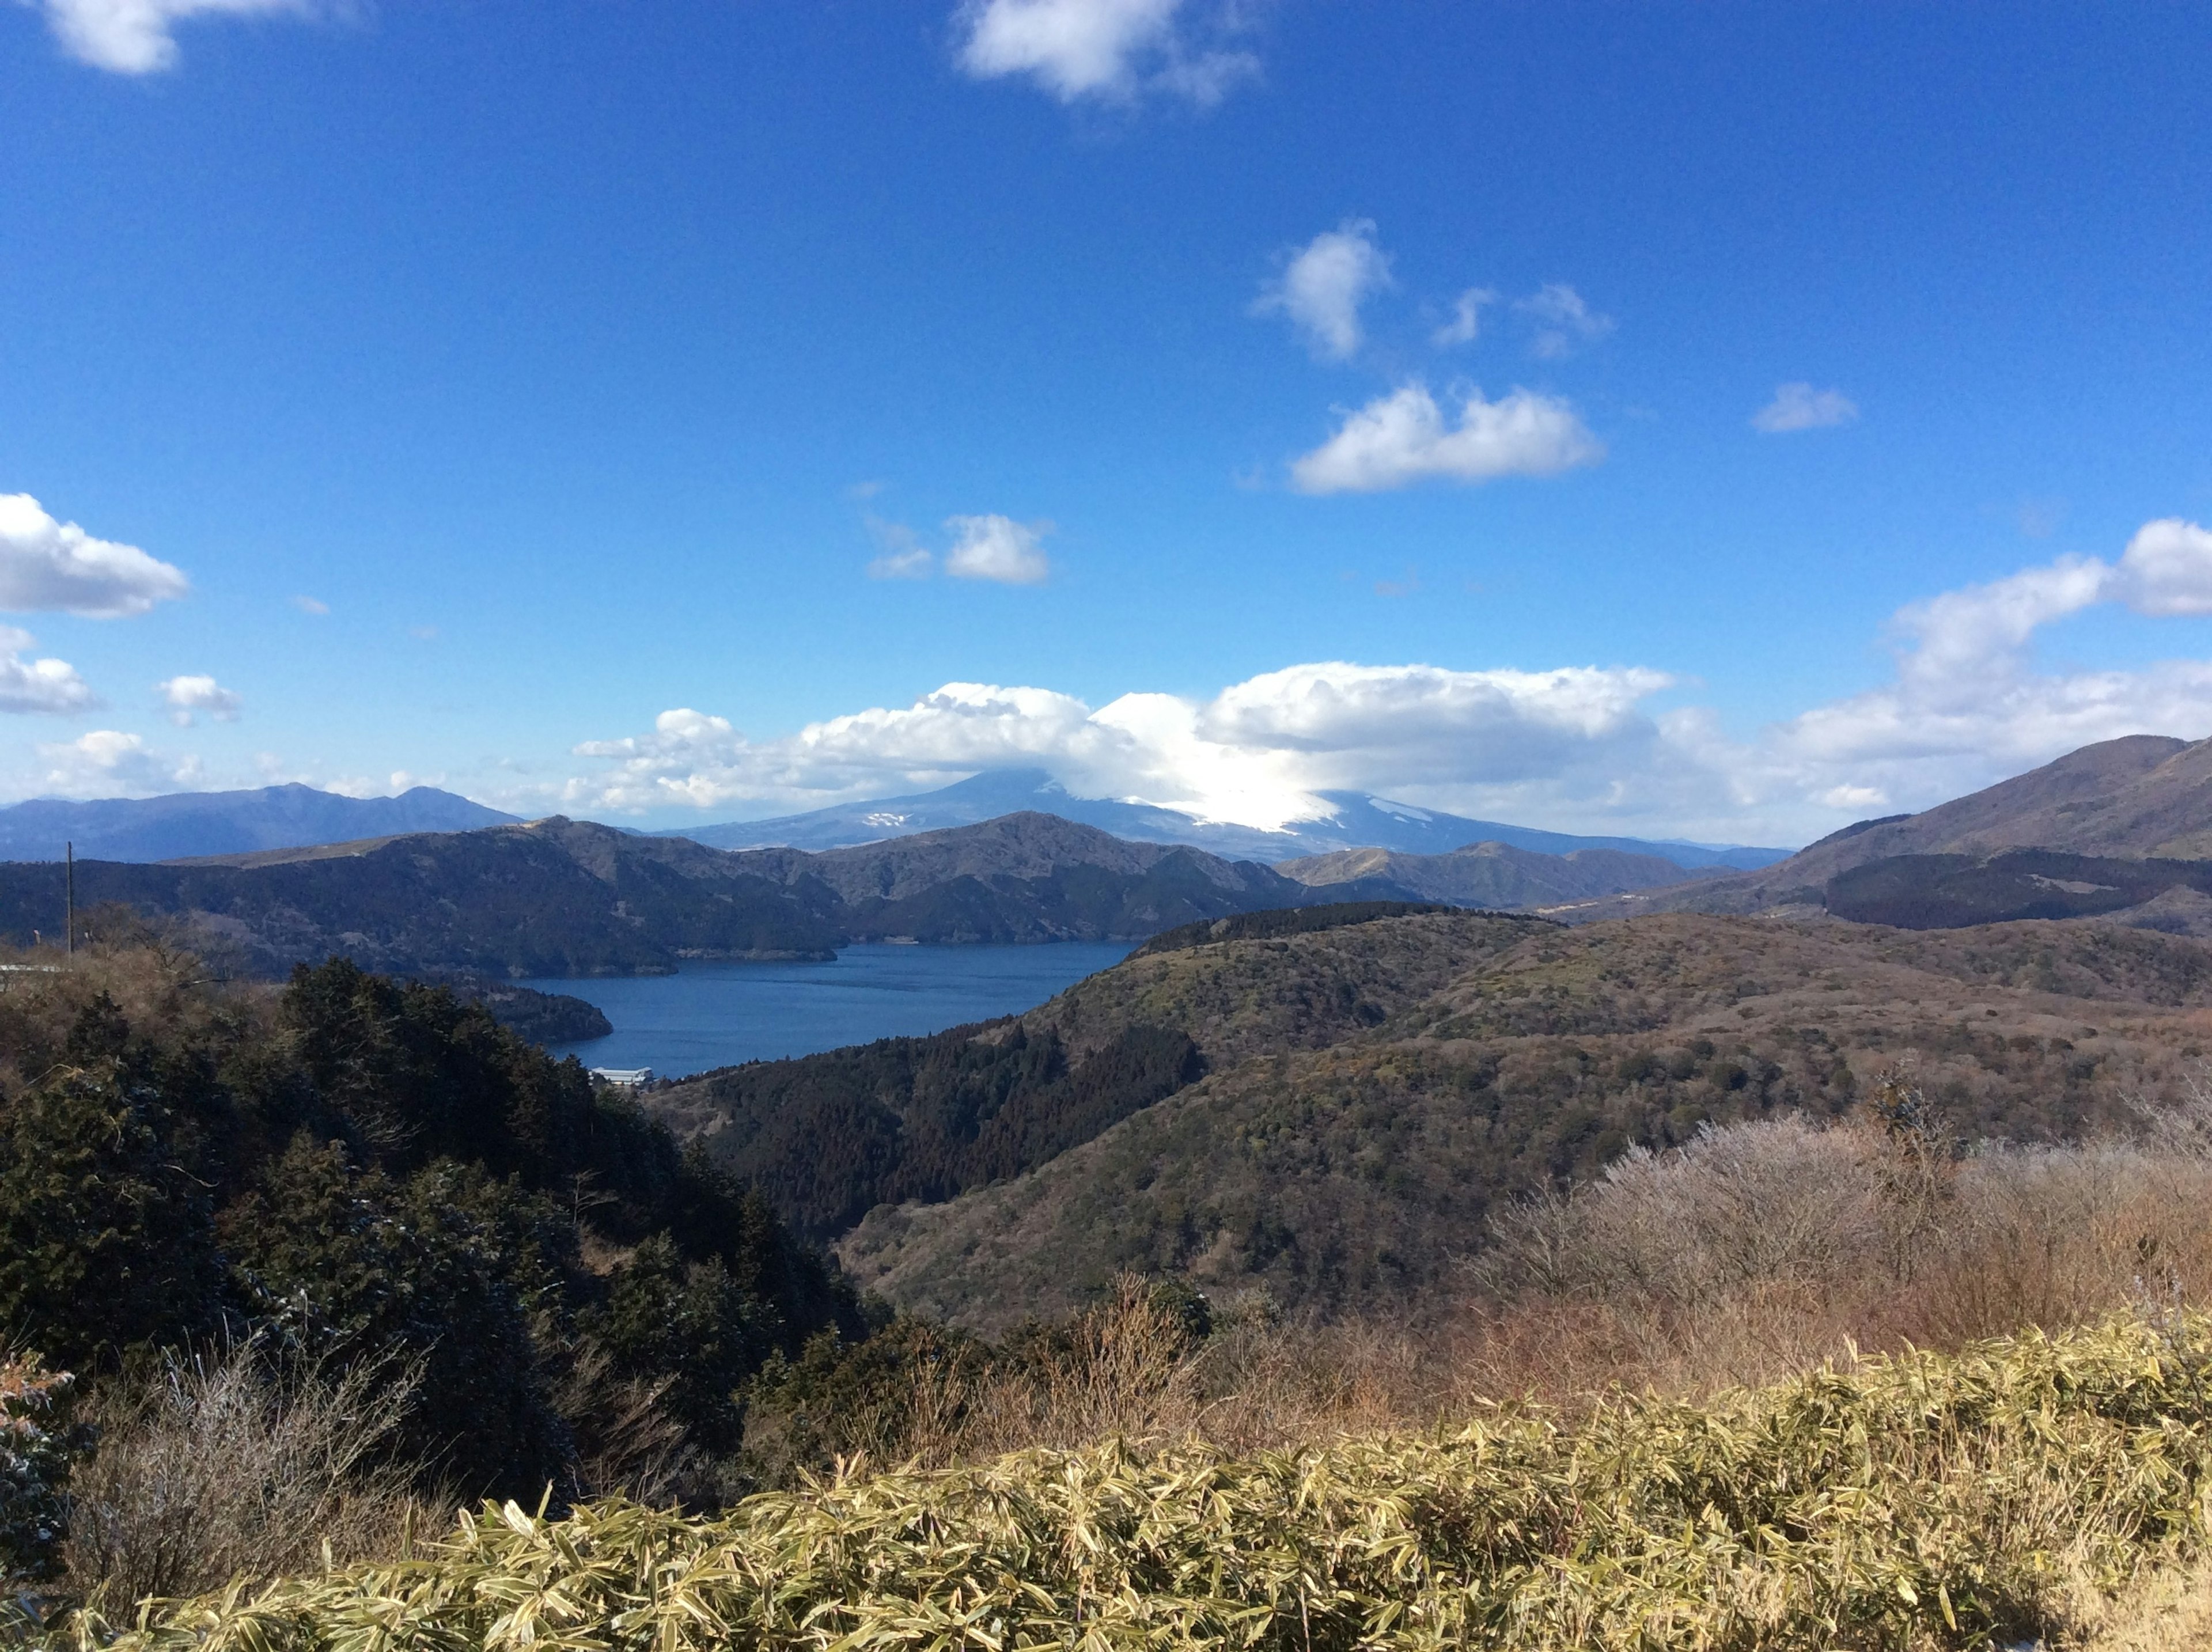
<point>559,898</point>
<point>1491,874</point>
<point>2108,832</point>
<point>187,823</point>
<point>1356,820</point>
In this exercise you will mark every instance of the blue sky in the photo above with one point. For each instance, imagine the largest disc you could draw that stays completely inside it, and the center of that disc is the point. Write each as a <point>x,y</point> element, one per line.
<point>1718,419</point>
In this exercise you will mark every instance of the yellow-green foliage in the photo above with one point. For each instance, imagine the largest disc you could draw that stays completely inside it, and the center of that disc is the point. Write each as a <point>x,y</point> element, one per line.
<point>1920,1500</point>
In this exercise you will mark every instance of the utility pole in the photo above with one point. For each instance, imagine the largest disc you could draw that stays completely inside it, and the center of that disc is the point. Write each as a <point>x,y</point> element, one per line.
<point>69,900</point>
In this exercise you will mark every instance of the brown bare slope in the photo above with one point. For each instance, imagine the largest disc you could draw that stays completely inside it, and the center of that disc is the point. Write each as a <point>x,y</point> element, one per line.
<point>1494,875</point>
<point>1355,1168</point>
<point>2146,795</point>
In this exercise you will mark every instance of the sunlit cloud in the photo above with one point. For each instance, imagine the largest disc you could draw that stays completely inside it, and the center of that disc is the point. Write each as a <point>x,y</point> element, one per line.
<point>48,686</point>
<point>1582,747</point>
<point>1404,437</point>
<point>46,564</point>
<point>1107,50</point>
<point>138,37</point>
<point>187,696</point>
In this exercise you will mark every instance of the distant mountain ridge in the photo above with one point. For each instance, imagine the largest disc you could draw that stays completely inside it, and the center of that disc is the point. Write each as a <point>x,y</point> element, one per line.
<point>1494,875</point>
<point>1357,820</point>
<point>560,897</point>
<point>187,824</point>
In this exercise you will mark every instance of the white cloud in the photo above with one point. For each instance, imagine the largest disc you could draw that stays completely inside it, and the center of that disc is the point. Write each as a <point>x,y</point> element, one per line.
<point>1798,406</point>
<point>1562,320</point>
<point>134,37</point>
<point>1255,754</point>
<point>107,762</point>
<point>997,548</point>
<point>1969,705</point>
<point>1466,324</point>
<point>45,564</point>
<point>1323,284</point>
<point>1108,50</point>
<point>1404,438</point>
<point>51,686</point>
<point>185,695</point>
<point>311,606</point>
<point>2166,570</point>
<point>1581,748</point>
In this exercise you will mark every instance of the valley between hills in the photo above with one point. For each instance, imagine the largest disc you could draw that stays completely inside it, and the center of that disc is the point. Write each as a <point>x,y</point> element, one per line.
<point>1332,1115</point>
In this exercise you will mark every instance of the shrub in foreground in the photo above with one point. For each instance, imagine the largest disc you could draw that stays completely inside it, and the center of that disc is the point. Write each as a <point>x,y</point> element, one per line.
<point>1919,1500</point>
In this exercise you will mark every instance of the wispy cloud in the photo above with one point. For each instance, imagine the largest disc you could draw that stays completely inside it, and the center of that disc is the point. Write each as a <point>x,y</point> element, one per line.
<point>1110,50</point>
<point>1798,406</point>
<point>1324,283</point>
<point>311,606</point>
<point>1563,321</point>
<point>48,564</point>
<point>1466,324</point>
<point>1404,437</point>
<point>138,37</point>
<point>999,548</point>
<point>987,547</point>
<point>902,556</point>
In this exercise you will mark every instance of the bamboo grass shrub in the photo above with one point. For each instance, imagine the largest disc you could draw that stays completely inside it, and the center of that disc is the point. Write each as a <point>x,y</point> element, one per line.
<point>1965,1500</point>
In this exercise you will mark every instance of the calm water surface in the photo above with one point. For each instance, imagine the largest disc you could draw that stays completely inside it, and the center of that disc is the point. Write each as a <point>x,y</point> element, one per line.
<point>714,1015</point>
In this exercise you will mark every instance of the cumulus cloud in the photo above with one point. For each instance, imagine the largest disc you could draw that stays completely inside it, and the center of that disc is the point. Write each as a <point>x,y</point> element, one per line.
<point>1404,438</point>
<point>1466,324</point>
<point>185,695</point>
<point>1968,703</point>
<point>46,564</point>
<point>136,37</point>
<point>1257,754</point>
<point>997,548</point>
<point>51,686</point>
<point>1562,320</point>
<point>1324,285</point>
<point>1107,49</point>
<point>1798,406</point>
<point>108,762</point>
<point>1584,747</point>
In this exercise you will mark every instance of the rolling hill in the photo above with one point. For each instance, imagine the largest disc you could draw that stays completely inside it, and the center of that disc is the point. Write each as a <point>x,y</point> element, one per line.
<point>1484,875</point>
<point>2120,831</point>
<point>562,897</point>
<point>1328,1104</point>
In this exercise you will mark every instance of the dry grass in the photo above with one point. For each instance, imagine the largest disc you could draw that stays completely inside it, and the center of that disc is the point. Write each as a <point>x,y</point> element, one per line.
<point>213,1468</point>
<point>2169,1611</point>
<point>1927,1501</point>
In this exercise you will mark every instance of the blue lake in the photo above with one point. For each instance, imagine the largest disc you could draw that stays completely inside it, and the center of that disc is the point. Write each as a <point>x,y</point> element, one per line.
<point>715,1015</point>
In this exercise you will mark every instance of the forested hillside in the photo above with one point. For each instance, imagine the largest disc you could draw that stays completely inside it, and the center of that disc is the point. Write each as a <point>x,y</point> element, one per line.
<point>372,1175</point>
<point>559,898</point>
<point>1373,1093</point>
